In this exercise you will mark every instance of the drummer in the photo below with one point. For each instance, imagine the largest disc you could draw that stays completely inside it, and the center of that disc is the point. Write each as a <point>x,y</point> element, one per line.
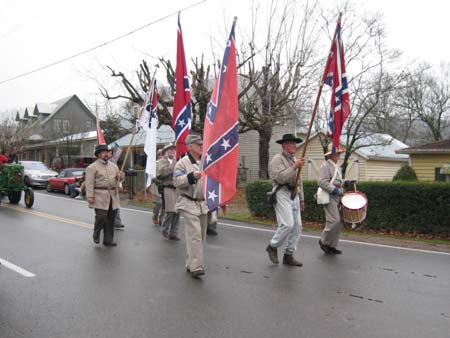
<point>330,235</point>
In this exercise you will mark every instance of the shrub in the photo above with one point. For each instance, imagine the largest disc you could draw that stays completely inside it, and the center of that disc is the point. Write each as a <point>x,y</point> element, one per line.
<point>407,207</point>
<point>405,173</point>
<point>256,194</point>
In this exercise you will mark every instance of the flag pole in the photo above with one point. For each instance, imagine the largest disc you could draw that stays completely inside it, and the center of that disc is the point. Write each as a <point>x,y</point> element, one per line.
<point>137,128</point>
<point>316,105</point>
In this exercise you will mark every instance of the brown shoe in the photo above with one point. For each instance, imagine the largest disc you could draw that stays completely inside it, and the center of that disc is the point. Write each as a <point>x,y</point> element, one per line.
<point>174,238</point>
<point>290,260</point>
<point>273,254</point>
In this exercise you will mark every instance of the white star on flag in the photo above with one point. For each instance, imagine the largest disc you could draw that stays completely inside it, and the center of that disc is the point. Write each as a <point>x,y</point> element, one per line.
<point>212,195</point>
<point>208,158</point>
<point>224,69</point>
<point>225,144</point>
<point>181,123</point>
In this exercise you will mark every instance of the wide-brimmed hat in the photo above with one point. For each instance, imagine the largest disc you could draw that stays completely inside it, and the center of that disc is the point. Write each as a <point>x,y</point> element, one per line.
<point>339,150</point>
<point>100,148</point>
<point>193,139</point>
<point>167,147</point>
<point>289,138</point>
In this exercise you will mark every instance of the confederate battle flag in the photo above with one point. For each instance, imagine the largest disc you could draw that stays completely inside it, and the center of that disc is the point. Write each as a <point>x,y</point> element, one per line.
<point>181,119</point>
<point>220,134</point>
<point>336,77</point>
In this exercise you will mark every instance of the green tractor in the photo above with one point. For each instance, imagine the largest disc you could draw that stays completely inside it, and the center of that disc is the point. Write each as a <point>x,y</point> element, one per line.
<point>12,184</point>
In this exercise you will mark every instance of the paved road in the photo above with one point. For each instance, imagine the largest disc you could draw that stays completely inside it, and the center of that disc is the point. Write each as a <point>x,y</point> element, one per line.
<point>140,288</point>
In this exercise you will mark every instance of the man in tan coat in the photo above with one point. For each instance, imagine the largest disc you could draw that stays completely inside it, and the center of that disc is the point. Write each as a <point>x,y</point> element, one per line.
<point>283,170</point>
<point>102,194</point>
<point>329,170</point>
<point>158,209</point>
<point>164,172</point>
<point>187,178</point>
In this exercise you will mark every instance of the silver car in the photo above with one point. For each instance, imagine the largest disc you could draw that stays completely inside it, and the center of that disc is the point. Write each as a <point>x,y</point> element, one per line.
<point>37,173</point>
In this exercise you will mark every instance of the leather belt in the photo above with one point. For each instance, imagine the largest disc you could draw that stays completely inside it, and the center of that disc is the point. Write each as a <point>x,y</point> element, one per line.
<point>170,186</point>
<point>192,199</point>
<point>104,188</point>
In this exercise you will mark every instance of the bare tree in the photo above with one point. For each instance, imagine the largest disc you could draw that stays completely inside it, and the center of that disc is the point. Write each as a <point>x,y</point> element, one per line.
<point>426,97</point>
<point>278,71</point>
<point>11,139</point>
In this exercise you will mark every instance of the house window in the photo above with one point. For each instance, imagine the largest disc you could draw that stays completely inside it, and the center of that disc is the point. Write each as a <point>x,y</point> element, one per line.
<point>89,124</point>
<point>61,126</point>
<point>438,176</point>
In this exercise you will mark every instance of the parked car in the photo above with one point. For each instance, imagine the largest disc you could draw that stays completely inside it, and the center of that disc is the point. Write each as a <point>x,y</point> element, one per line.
<point>65,179</point>
<point>36,174</point>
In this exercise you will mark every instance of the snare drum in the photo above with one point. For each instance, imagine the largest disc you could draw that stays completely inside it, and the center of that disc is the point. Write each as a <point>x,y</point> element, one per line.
<point>354,207</point>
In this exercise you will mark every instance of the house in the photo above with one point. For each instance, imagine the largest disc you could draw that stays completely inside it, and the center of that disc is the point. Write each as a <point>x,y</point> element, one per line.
<point>137,157</point>
<point>428,159</point>
<point>377,162</point>
<point>57,129</point>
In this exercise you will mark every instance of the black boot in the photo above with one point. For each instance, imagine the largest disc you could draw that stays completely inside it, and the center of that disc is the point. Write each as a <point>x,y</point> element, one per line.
<point>289,259</point>
<point>273,254</point>
<point>325,248</point>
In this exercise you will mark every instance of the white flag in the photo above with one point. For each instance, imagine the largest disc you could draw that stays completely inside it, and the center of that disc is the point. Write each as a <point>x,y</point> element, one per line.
<point>149,122</point>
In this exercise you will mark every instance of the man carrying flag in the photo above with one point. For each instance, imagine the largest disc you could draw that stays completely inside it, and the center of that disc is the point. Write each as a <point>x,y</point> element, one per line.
<point>329,177</point>
<point>181,119</point>
<point>149,122</point>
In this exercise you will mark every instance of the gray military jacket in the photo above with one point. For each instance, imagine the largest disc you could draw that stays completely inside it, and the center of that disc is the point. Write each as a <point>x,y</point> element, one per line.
<point>164,172</point>
<point>326,173</point>
<point>190,193</point>
<point>282,172</point>
<point>102,183</point>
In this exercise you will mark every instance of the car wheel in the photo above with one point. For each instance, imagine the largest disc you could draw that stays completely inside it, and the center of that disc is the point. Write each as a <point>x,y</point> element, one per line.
<point>49,188</point>
<point>26,180</point>
<point>66,189</point>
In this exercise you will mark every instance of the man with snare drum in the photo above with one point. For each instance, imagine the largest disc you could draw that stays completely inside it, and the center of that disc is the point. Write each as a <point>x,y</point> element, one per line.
<point>330,180</point>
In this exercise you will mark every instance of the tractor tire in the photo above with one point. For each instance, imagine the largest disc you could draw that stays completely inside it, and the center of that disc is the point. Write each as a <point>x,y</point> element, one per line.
<point>29,198</point>
<point>26,180</point>
<point>14,196</point>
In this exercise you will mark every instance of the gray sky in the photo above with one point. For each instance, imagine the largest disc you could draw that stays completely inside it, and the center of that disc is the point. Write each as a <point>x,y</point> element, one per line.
<point>37,33</point>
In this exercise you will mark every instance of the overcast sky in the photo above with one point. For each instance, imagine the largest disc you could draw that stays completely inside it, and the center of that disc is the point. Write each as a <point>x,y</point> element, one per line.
<point>36,33</point>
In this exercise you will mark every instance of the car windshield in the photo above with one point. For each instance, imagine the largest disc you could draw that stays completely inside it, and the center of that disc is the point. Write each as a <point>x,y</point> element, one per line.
<point>35,166</point>
<point>77,173</point>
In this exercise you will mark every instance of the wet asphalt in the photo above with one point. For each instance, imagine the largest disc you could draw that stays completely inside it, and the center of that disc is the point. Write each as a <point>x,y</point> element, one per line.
<point>141,289</point>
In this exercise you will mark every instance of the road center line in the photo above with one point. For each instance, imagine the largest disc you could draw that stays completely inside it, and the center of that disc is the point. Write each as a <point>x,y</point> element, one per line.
<point>306,236</point>
<point>16,268</point>
<point>49,216</point>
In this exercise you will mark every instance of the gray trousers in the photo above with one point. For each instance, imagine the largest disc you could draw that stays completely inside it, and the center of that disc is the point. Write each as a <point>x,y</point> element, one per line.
<point>195,230</point>
<point>212,220</point>
<point>158,212</point>
<point>104,219</point>
<point>171,223</point>
<point>117,219</point>
<point>333,224</point>
<point>289,222</point>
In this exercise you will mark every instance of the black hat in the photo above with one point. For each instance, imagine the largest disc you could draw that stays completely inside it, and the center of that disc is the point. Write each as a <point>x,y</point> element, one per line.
<point>289,138</point>
<point>100,148</point>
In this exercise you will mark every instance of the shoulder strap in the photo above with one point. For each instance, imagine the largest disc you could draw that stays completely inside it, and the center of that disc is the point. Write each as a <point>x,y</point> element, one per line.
<point>334,175</point>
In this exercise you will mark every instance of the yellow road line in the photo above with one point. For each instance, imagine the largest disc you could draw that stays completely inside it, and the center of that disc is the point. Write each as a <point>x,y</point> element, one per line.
<point>49,216</point>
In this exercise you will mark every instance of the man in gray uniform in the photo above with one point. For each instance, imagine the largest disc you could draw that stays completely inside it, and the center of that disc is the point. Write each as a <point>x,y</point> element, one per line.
<point>283,170</point>
<point>102,194</point>
<point>187,178</point>
<point>327,172</point>
<point>164,172</point>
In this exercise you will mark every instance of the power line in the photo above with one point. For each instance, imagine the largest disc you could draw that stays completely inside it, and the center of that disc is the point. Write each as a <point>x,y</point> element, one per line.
<point>100,45</point>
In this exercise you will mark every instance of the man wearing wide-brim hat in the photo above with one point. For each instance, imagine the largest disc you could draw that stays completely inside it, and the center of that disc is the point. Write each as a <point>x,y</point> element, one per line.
<point>102,193</point>
<point>164,173</point>
<point>330,180</point>
<point>283,170</point>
